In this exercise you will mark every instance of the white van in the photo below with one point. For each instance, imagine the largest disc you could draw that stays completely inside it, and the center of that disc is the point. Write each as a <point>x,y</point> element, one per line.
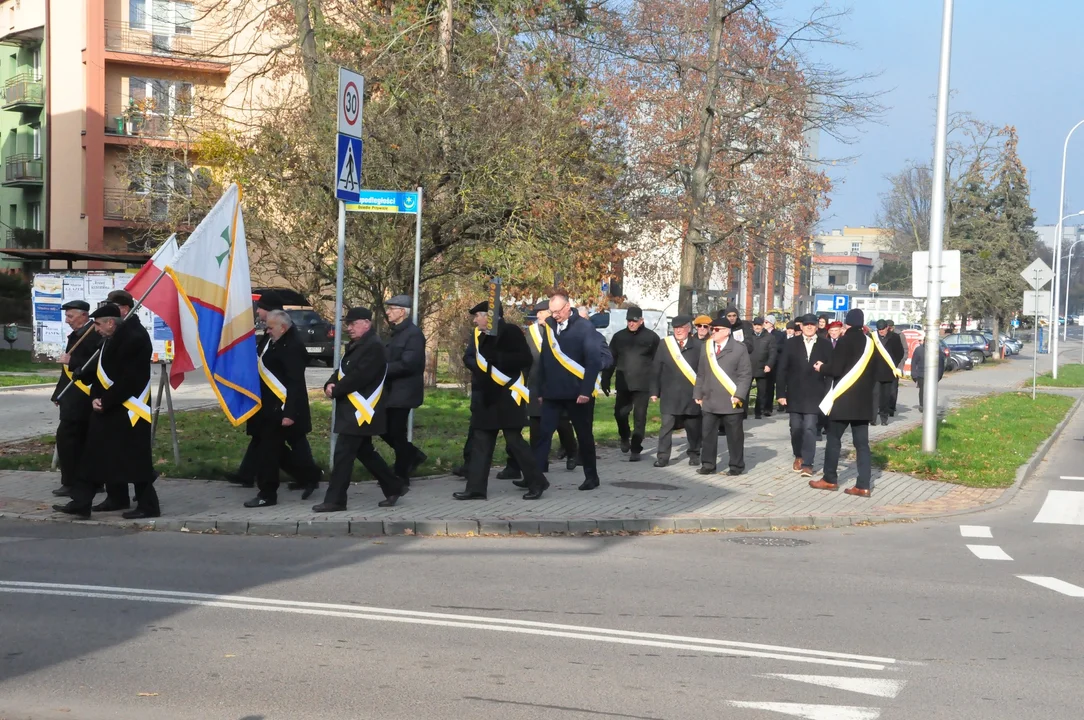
<point>611,321</point>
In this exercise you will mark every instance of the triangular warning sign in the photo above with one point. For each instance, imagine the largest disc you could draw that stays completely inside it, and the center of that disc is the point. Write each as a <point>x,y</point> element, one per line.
<point>813,712</point>
<point>348,176</point>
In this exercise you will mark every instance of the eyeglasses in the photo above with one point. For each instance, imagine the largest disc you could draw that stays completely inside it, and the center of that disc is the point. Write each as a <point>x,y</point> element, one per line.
<point>703,326</point>
<point>717,329</point>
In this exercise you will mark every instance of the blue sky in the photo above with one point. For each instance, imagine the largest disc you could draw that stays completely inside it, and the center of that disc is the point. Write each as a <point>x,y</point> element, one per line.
<point>1013,63</point>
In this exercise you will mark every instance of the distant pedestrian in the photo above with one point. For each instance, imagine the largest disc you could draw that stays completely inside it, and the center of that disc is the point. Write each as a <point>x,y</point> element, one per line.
<point>762,359</point>
<point>918,370</point>
<point>891,340</point>
<point>780,336</point>
<point>722,384</point>
<point>801,389</point>
<point>849,403</point>
<point>890,355</point>
<point>702,323</point>
<point>633,349</point>
<point>673,379</point>
<point>822,325</point>
<point>405,389</point>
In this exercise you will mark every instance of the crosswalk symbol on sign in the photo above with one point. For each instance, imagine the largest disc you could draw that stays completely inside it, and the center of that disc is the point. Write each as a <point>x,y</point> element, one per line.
<point>348,169</point>
<point>348,178</point>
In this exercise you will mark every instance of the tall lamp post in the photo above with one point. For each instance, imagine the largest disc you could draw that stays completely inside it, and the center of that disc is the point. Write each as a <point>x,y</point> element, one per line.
<point>1057,254</point>
<point>1068,276</point>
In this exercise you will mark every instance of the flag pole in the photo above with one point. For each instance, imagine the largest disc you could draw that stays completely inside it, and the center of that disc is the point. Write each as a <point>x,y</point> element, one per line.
<point>131,313</point>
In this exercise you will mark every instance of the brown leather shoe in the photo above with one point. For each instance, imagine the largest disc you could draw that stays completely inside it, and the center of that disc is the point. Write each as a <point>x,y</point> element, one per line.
<point>823,484</point>
<point>797,466</point>
<point>807,471</point>
<point>857,491</point>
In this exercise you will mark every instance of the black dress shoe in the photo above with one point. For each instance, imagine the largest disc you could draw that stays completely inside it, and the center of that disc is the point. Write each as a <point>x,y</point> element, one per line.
<point>733,472</point>
<point>310,489</point>
<point>634,457</point>
<point>258,502</point>
<point>416,463</point>
<point>235,479</point>
<point>328,507</point>
<point>139,514</point>
<point>758,416</point>
<point>694,460</point>
<point>561,454</point>
<point>626,445</point>
<point>99,489</point>
<point>109,506</point>
<point>459,471</point>
<point>767,413</point>
<point>570,464</point>
<point>589,484</point>
<point>536,493</point>
<point>62,491</point>
<point>509,474</point>
<point>705,471</point>
<point>81,512</point>
<point>520,483</point>
<point>389,501</point>
<point>469,496</point>
<point>662,463</point>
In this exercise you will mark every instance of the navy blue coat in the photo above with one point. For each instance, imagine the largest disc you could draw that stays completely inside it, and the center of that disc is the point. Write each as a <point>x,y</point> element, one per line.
<point>581,342</point>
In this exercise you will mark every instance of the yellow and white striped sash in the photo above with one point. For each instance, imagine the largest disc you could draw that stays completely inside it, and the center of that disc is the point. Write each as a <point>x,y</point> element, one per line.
<point>520,393</point>
<point>849,379</point>
<point>884,353</point>
<point>568,363</point>
<point>679,360</point>
<point>78,383</point>
<point>269,377</point>
<point>365,407</point>
<point>720,374</point>
<point>138,407</point>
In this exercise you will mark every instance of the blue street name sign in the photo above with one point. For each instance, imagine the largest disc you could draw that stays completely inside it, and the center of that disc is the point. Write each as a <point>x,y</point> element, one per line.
<point>384,201</point>
<point>348,169</point>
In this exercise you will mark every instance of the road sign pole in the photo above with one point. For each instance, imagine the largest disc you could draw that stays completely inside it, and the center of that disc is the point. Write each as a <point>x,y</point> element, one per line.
<point>1035,342</point>
<point>937,232</point>
<point>417,287</point>
<point>338,313</point>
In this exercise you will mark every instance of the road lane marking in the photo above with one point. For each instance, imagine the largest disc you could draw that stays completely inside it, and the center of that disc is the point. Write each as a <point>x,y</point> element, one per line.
<point>1054,584</point>
<point>813,712</point>
<point>526,627</point>
<point>866,686</point>
<point>975,531</point>
<point>989,552</point>
<point>1072,477</point>
<point>1062,507</point>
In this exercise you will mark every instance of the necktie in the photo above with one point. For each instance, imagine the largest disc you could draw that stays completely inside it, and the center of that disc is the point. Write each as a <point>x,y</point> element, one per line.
<point>833,342</point>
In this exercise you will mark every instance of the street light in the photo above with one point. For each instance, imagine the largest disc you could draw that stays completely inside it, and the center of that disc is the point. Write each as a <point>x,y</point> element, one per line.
<point>1068,275</point>
<point>1057,251</point>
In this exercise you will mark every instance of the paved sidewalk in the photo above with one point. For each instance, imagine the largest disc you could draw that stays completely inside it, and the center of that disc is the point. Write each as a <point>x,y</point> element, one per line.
<point>634,497</point>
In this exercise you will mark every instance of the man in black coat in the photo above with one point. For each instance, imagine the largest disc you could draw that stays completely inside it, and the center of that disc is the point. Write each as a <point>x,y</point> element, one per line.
<point>71,433</point>
<point>762,358</point>
<point>722,384</point>
<point>780,338</point>
<point>673,378</point>
<point>633,351</point>
<point>357,388</point>
<point>801,389</point>
<point>887,375</point>
<point>568,370</point>
<point>849,402</point>
<point>279,428</point>
<point>405,387</point>
<point>918,369</point>
<point>118,447</point>
<point>741,330</point>
<point>891,340</point>
<point>499,399</point>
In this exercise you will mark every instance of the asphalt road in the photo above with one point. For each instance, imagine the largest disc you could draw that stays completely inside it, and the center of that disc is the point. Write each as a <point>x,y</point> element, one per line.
<point>893,622</point>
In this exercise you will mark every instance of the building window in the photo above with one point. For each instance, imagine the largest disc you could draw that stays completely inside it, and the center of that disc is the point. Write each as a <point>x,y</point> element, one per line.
<point>182,18</point>
<point>856,247</point>
<point>33,215</point>
<point>137,13</point>
<point>35,62</point>
<point>170,98</point>
<point>838,277</point>
<point>35,135</point>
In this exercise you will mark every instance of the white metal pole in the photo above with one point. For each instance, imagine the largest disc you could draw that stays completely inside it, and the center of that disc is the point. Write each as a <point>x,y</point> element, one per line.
<point>937,232</point>
<point>1057,255</point>
<point>338,313</point>
<point>1035,341</point>
<point>1068,276</point>
<point>417,286</point>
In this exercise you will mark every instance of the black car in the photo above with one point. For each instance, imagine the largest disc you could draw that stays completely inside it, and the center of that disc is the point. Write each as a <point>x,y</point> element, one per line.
<point>972,344</point>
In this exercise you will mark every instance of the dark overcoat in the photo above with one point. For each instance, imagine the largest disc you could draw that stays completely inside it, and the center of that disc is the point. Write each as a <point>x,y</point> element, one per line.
<point>856,404</point>
<point>364,366</point>
<point>763,353</point>
<point>734,361</point>
<point>492,406</point>
<point>669,384</point>
<point>633,356</point>
<point>75,405</point>
<point>286,359</point>
<point>796,381</point>
<point>406,366</point>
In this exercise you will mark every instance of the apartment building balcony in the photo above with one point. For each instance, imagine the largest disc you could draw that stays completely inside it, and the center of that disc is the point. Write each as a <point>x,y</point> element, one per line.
<point>192,50</point>
<point>24,170</point>
<point>157,129</point>
<point>24,91</point>
<point>133,209</point>
<point>22,22</point>
<point>24,239</point>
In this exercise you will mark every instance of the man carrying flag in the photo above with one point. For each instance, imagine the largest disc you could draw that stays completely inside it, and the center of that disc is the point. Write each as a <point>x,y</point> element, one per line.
<point>723,379</point>
<point>71,433</point>
<point>673,379</point>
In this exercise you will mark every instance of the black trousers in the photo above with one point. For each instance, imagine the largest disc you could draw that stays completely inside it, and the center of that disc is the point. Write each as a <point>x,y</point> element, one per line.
<point>482,459</point>
<point>281,447</point>
<point>860,436</point>
<point>358,447</point>
<point>764,400</point>
<point>733,424</point>
<point>635,402</point>
<point>803,436</point>
<point>565,435</point>
<point>894,396</point>
<point>882,399</point>
<point>295,460</point>
<point>693,432</point>
<point>582,418</point>
<point>921,400</point>
<point>769,392</point>
<point>396,438</point>
<point>71,438</point>
<point>82,494</point>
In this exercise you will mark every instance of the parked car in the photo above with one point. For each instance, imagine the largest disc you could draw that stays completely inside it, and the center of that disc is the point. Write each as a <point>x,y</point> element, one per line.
<point>1015,343</point>
<point>317,333</point>
<point>973,344</point>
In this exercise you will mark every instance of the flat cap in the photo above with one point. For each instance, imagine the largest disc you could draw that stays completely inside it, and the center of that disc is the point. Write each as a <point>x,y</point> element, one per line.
<point>722,322</point>
<point>120,297</point>
<point>107,310</point>
<point>680,320</point>
<point>758,320</point>
<point>634,313</point>
<point>358,313</point>
<point>834,324</point>
<point>882,325</point>
<point>809,319</point>
<point>541,305</point>
<point>76,305</point>
<point>702,320</point>
<point>401,301</point>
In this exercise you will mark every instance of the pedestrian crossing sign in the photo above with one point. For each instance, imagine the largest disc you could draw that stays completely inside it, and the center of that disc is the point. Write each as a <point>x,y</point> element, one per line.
<point>348,169</point>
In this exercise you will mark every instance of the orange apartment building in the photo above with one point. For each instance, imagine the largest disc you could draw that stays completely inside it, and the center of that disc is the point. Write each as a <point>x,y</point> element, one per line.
<point>130,87</point>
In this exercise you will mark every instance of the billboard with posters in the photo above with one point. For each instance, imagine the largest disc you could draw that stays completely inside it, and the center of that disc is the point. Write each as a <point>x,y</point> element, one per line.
<point>50,291</point>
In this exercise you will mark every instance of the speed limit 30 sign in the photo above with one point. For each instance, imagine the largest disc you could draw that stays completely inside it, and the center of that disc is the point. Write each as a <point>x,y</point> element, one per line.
<point>351,91</point>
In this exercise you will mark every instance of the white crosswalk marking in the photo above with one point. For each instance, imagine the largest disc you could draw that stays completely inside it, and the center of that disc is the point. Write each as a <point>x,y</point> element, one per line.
<point>975,531</point>
<point>1072,477</point>
<point>1054,584</point>
<point>989,552</point>
<point>1062,507</point>
<point>813,712</point>
<point>866,686</point>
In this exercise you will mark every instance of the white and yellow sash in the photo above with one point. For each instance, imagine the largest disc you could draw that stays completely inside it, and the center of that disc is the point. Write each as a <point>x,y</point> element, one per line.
<point>365,407</point>
<point>849,379</point>
<point>884,353</point>
<point>78,383</point>
<point>536,336</point>
<point>720,374</point>
<point>138,407</point>
<point>679,360</point>
<point>520,393</point>
<point>568,363</point>
<point>269,377</point>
